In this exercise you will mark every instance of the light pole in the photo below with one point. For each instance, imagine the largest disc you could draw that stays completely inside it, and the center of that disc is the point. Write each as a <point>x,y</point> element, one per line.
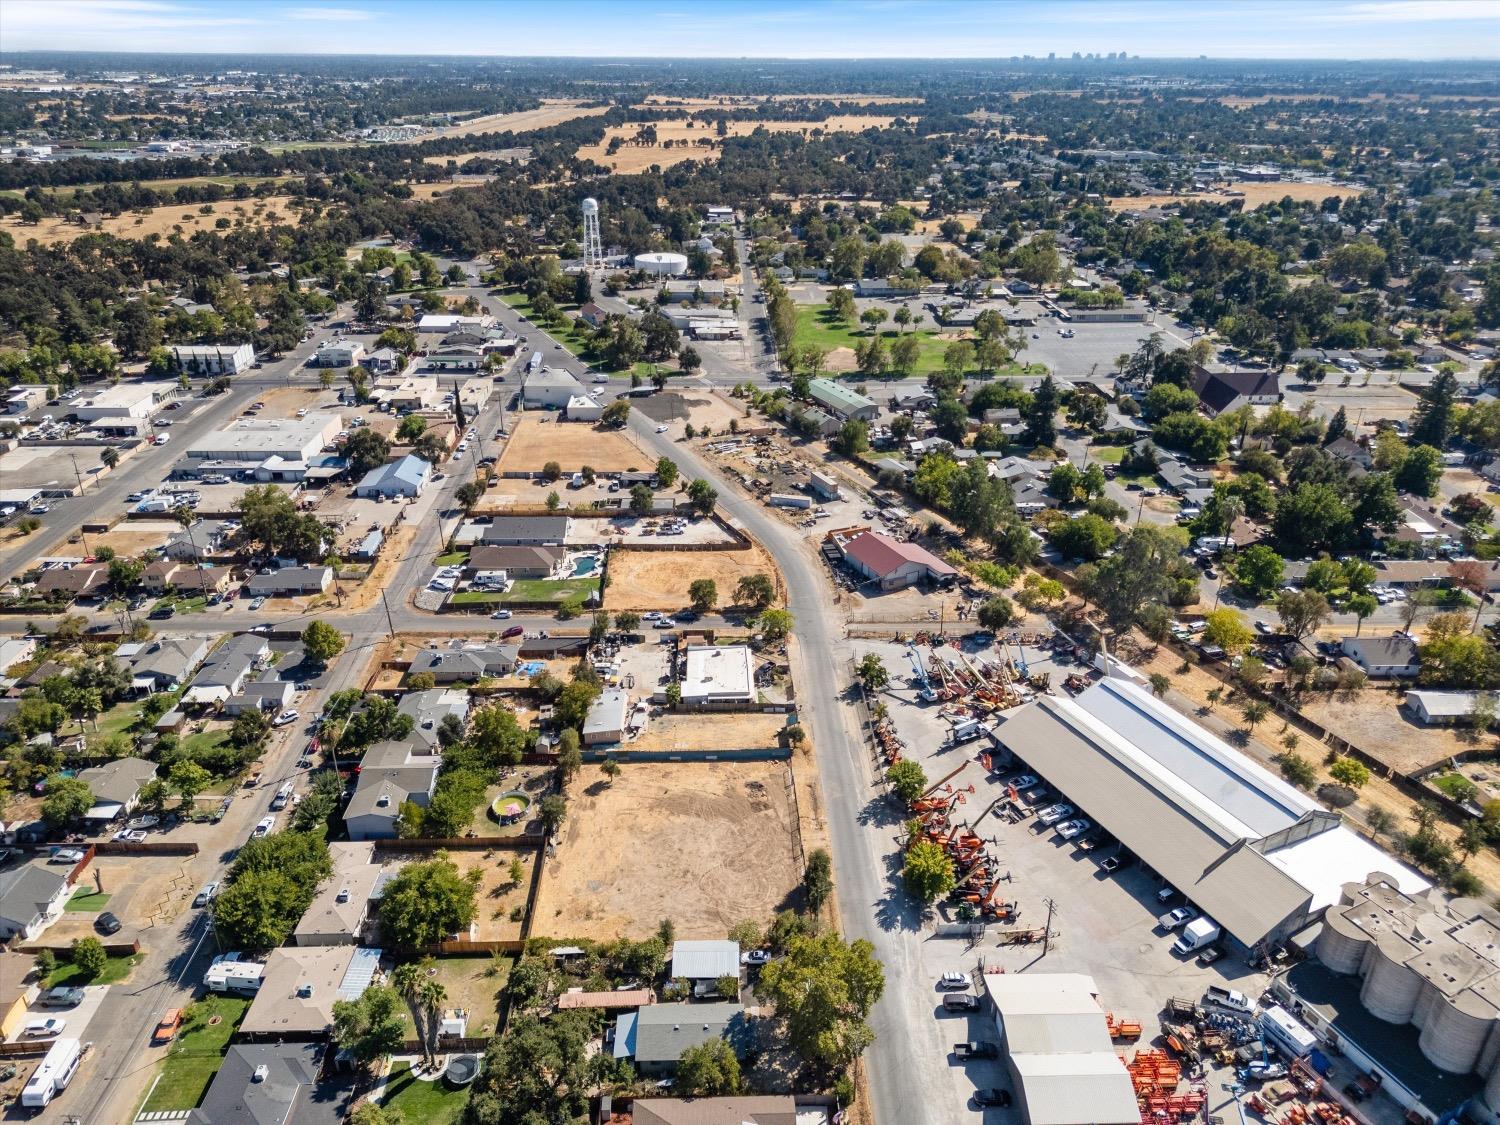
<point>79,477</point>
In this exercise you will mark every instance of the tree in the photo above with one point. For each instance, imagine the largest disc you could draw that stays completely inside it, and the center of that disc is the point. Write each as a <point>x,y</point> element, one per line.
<point>109,456</point>
<point>755,590</point>
<point>775,624</point>
<point>610,768</point>
<point>853,438</point>
<point>1362,606</point>
<point>537,1073</point>
<point>1041,418</point>
<point>322,642</point>
<point>1432,421</point>
<point>1160,683</point>
<point>997,612</point>
<point>65,799</point>
<point>871,672</point>
<point>1084,537</point>
<point>702,495</point>
<point>187,779</point>
<point>87,953</point>
<point>627,621</point>
<point>554,809</point>
<point>1420,471</point>
<point>641,500</point>
<point>426,902</point>
<point>1254,713</point>
<point>908,780</point>
<point>1297,769</point>
<point>689,360</point>
<point>703,594</point>
<point>928,871</point>
<point>824,989</point>
<point>569,754</point>
<point>1349,772</point>
<point>666,472</point>
<point>366,449</point>
<point>709,1070</point>
<point>615,415</point>
<point>817,880</point>
<point>373,1113</point>
<point>1258,571</point>
<point>369,1028</point>
<point>411,428</point>
<point>1302,611</point>
<point>1226,629</point>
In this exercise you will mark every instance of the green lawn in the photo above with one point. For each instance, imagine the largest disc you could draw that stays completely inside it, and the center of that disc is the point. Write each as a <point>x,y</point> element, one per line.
<point>196,1056</point>
<point>1107,454</point>
<point>180,604</point>
<point>85,901</point>
<point>116,969</point>
<point>119,719</point>
<point>205,740</point>
<point>543,590</point>
<point>816,326</point>
<point>432,1103</point>
<point>452,558</point>
<point>566,331</point>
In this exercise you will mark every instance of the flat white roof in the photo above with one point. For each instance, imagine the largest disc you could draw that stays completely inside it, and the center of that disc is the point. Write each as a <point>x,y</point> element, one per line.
<point>1325,862</point>
<point>125,394</point>
<point>249,436</point>
<point>718,672</point>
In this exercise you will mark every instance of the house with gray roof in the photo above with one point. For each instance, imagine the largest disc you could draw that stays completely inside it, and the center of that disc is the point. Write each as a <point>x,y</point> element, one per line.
<point>524,531</point>
<point>291,582</point>
<point>1388,658</point>
<point>31,898</point>
<point>656,1035</point>
<point>275,1084</point>
<point>164,663</point>
<point>466,664</point>
<point>342,907</point>
<point>202,537</point>
<point>517,562</point>
<point>116,786</point>
<point>550,389</point>
<point>270,693</point>
<point>227,668</point>
<point>405,477</point>
<point>429,708</point>
<point>390,773</point>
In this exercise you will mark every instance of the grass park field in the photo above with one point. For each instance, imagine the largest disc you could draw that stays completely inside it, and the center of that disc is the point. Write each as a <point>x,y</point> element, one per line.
<point>816,325</point>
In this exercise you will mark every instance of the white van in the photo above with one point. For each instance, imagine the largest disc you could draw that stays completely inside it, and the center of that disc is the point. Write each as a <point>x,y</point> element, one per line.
<point>1228,999</point>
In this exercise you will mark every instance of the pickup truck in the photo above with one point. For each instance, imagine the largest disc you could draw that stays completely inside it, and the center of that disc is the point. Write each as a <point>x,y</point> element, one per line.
<point>966,1051</point>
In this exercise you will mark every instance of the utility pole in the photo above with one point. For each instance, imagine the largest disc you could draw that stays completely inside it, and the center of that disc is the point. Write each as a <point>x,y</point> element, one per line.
<point>1047,933</point>
<point>389,624</point>
<point>79,477</point>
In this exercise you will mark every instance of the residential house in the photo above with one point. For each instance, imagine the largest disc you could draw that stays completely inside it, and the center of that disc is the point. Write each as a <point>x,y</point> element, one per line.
<point>605,722</point>
<point>31,898</point>
<point>1181,478</point>
<point>517,562</point>
<point>275,1084</point>
<point>656,1036</point>
<point>15,987</point>
<point>299,987</point>
<point>1444,708</point>
<point>592,315</point>
<point>524,531</point>
<point>466,664</point>
<point>156,577</point>
<point>269,694</point>
<point>291,582</point>
<point>116,786</point>
<point>339,912</point>
<point>227,668</point>
<point>390,773</point>
<point>705,961</point>
<point>164,663</point>
<point>200,538</point>
<point>428,709</point>
<point>718,674</point>
<point>893,564</point>
<point>382,361</point>
<point>917,398</point>
<point>550,389</point>
<point>406,477</point>
<point>742,1109</point>
<point>82,580</point>
<point>1351,453</point>
<point>1392,657</point>
<point>1219,391</point>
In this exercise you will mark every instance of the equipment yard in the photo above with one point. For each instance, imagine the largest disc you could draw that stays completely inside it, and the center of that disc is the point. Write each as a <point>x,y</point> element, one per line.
<point>704,844</point>
<point>534,442</point>
<point>646,580</point>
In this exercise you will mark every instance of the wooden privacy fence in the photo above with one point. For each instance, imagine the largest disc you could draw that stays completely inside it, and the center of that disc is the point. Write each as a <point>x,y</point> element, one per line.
<point>521,843</point>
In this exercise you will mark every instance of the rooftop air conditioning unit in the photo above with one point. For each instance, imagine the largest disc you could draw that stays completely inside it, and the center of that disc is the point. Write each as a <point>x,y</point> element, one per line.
<point>262,1072</point>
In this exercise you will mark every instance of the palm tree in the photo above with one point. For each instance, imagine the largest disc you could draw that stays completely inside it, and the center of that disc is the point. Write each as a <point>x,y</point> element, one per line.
<point>407,980</point>
<point>1254,712</point>
<point>432,996</point>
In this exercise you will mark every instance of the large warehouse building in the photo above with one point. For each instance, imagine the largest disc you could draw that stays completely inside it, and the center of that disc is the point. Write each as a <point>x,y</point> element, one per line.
<point>257,439</point>
<point>1255,854</point>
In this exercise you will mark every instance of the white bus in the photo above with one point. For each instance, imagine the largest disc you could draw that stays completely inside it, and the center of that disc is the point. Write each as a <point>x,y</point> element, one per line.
<point>53,1076</point>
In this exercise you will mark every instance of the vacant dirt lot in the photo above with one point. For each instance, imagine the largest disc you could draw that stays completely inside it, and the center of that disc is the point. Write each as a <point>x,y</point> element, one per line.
<point>729,101</point>
<point>159,220</point>
<point>1375,723</point>
<point>660,579</point>
<point>728,731</point>
<point>129,539</point>
<point>554,111</point>
<point>533,442</point>
<point>704,844</point>
<point>684,137</point>
<point>1255,195</point>
<point>498,896</point>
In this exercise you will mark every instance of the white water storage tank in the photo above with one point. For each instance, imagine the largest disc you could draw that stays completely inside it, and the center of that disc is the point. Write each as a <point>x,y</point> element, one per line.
<point>662,264</point>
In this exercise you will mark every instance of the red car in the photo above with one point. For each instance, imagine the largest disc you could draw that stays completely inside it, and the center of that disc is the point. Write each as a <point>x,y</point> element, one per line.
<point>513,631</point>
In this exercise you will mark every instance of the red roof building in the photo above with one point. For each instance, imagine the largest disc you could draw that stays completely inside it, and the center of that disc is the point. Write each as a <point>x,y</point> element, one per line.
<point>893,564</point>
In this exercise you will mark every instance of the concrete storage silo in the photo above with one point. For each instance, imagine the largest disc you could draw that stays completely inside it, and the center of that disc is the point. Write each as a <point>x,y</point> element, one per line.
<point>1391,989</point>
<point>1489,1098</point>
<point>1342,945</point>
<point>1456,1029</point>
<point>662,264</point>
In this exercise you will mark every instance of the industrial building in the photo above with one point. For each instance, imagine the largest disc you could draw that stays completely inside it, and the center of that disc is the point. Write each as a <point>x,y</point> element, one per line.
<point>550,389</point>
<point>664,264</point>
<point>213,359</point>
<point>127,400</point>
<point>406,477</point>
<point>259,439</point>
<point>1062,1064</point>
<point>1251,851</point>
<point>718,674</point>
<point>892,564</point>
<point>841,402</point>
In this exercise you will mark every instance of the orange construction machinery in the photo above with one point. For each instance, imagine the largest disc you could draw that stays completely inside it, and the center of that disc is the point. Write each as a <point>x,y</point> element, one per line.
<point>1121,1028</point>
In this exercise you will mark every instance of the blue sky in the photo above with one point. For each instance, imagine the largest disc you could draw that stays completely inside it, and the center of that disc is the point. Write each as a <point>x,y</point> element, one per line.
<point>765,28</point>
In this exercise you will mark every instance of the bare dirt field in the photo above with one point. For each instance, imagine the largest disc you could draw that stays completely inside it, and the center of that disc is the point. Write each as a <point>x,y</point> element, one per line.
<point>730,101</point>
<point>554,111</point>
<point>284,402</point>
<point>709,412</point>
<point>463,158</point>
<point>129,539</point>
<point>685,139</point>
<point>660,579</point>
<point>533,442</point>
<point>1254,194</point>
<point>1375,723</point>
<point>728,731</point>
<point>158,220</point>
<point>653,845</point>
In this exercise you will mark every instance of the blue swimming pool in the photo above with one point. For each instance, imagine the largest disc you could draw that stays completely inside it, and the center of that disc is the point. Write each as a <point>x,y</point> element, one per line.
<point>587,564</point>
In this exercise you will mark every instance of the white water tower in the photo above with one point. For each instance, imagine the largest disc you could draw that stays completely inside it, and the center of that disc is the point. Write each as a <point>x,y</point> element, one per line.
<point>593,251</point>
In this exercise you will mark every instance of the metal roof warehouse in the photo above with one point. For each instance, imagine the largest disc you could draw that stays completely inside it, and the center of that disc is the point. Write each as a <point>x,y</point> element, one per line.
<point>1257,855</point>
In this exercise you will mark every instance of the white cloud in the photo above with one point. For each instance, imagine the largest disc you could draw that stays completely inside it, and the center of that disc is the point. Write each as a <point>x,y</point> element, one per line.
<point>1419,11</point>
<point>331,15</point>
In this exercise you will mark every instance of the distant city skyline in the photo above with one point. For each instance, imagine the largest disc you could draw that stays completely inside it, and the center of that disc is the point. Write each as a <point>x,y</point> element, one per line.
<point>811,29</point>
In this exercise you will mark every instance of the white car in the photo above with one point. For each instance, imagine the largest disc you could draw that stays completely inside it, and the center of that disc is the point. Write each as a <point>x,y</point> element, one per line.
<point>954,980</point>
<point>1072,829</point>
<point>284,718</point>
<point>263,827</point>
<point>1175,919</point>
<point>128,836</point>
<point>43,1029</point>
<point>661,429</point>
<point>755,957</point>
<point>600,377</point>
<point>1055,814</point>
<point>162,439</point>
<point>501,615</point>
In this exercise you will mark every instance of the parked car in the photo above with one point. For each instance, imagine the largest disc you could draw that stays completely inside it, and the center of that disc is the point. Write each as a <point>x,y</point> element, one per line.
<point>1117,862</point>
<point>954,980</point>
<point>66,855</point>
<point>43,1029</point>
<point>107,923</point>
<point>755,957</point>
<point>1176,918</point>
<point>166,1029</point>
<point>1263,1070</point>
<point>992,1098</point>
<point>206,895</point>
<point>965,1051</point>
<point>960,1002</point>
<point>256,603</point>
<point>127,836</point>
<point>263,827</point>
<point>513,631</point>
<point>284,718</point>
<point>502,615</point>
<point>60,997</point>
<point>1072,829</point>
<point>1022,782</point>
<point>1055,814</point>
